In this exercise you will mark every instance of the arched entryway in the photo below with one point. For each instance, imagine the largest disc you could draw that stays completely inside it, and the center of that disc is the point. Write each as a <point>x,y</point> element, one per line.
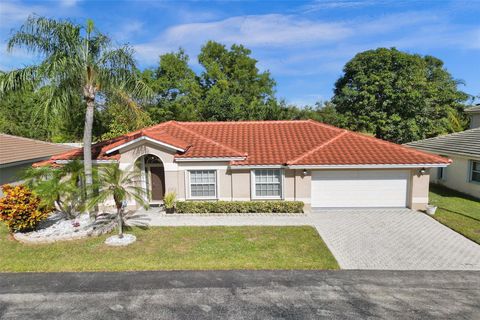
<point>153,177</point>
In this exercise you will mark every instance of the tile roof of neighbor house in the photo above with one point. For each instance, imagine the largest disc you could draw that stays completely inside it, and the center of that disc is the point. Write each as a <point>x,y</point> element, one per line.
<point>16,149</point>
<point>302,142</point>
<point>462,143</point>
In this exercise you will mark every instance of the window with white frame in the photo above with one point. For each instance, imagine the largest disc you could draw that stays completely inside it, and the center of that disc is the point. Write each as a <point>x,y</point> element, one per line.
<point>268,183</point>
<point>475,173</point>
<point>203,183</point>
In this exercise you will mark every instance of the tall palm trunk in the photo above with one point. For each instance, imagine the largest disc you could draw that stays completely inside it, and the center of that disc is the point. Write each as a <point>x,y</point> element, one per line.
<point>89,96</point>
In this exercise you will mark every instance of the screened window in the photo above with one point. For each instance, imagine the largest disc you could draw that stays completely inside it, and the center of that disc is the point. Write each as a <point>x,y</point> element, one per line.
<point>475,174</point>
<point>203,183</point>
<point>268,183</point>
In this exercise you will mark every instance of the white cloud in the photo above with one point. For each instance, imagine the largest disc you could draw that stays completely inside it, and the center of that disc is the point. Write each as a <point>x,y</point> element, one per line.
<point>299,39</point>
<point>12,13</point>
<point>336,4</point>
<point>272,30</point>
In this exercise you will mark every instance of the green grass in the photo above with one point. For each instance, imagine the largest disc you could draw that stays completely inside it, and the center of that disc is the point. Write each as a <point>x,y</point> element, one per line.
<point>176,248</point>
<point>458,211</point>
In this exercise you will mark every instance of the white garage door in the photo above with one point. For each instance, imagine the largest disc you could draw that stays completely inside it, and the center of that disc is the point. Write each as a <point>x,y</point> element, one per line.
<point>359,188</point>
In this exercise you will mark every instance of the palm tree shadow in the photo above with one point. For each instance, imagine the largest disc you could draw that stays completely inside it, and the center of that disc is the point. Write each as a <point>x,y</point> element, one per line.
<point>134,219</point>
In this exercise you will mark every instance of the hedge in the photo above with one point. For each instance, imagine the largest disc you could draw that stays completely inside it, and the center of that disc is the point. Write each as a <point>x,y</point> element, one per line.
<point>239,207</point>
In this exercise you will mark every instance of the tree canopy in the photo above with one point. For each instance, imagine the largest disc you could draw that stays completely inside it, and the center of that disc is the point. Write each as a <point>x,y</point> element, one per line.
<point>78,65</point>
<point>230,86</point>
<point>399,96</point>
<point>82,77</point>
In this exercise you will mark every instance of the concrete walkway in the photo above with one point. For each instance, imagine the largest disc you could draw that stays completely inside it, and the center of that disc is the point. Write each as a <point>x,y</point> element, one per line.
<point>381,239</point>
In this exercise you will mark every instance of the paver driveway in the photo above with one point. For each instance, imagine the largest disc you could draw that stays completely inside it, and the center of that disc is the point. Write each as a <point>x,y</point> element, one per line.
<point>394,239</point>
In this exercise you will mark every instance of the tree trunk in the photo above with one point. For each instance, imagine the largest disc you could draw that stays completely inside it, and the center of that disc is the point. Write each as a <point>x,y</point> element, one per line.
<point>89,96</point>
<point>120,223</point>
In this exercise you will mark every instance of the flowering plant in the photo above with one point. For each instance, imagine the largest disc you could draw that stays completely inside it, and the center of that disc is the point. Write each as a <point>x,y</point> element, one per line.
<point>20,209</point>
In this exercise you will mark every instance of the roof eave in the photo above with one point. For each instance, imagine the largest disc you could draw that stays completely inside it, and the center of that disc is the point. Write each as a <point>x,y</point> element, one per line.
<point>368,166</point>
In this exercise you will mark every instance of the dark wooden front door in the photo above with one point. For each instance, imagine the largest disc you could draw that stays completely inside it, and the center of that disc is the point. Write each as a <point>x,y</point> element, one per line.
<point>158,182</point>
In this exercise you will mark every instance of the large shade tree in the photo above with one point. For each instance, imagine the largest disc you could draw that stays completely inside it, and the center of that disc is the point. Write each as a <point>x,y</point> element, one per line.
<point>230,86</point>
<point>399,96</point>
<point>75,61</point>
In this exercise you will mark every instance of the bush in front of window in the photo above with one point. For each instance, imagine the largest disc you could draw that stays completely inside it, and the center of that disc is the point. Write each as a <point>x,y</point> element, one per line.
<point>239,207</point>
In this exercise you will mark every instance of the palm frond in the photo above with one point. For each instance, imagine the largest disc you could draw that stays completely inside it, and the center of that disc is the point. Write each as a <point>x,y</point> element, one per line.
<point>18,79</point>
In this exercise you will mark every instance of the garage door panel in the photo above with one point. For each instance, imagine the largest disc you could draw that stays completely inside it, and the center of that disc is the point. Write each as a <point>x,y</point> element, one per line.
<point>359,188</point>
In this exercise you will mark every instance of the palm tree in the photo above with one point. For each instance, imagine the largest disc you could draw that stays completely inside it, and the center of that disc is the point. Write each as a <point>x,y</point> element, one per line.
<point>76,61</point>
<point>121,186</point>
<point>59,186</point>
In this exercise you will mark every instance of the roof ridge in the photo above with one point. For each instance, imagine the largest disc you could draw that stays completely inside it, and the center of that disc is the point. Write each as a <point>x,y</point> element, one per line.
<point>364,136</point>
<point>324,125</point>
<point>241,121</point>
<point>318,147</point>
<point>207,139</point>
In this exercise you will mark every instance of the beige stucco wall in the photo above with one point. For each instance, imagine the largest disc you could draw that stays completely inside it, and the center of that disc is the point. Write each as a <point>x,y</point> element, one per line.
<point>418,190</point>
<point>457,176</point>
<point>235,184</point>
<point>240,185</point>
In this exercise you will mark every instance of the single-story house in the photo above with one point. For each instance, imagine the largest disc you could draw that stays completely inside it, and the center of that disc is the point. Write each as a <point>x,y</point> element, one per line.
<point>18,154</point>
<point>464,149</point>
<point>319,164</point>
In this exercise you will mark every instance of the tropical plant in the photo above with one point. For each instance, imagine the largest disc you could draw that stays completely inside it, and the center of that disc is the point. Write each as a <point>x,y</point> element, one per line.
<point>169,201</point>
<point>21,209</point>
<point>78,61</point>
<point>120,185</point>
<point>59,186</point>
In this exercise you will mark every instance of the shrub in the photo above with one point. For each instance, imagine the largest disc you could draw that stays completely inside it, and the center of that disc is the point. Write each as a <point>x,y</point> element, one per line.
<point>21,209</point>
<point>239,207</point>
<point>169,200</point>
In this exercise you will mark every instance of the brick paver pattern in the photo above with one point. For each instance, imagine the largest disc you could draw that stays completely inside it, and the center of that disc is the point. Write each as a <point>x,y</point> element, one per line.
<point>382,239</point>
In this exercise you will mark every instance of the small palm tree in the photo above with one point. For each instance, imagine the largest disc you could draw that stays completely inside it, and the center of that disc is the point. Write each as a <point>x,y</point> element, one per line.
<point>77,62</point>
<point>59,186</point>
<point>121,186</point>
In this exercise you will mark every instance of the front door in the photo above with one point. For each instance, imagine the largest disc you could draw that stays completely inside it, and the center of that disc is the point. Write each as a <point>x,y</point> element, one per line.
<point>158,184</point>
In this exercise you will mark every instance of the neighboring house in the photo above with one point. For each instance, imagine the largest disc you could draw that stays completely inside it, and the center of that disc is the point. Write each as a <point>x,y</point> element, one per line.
<point>321,165</point>
<point>474,113</point>
<point>18,153</point>
<point>464,149</point>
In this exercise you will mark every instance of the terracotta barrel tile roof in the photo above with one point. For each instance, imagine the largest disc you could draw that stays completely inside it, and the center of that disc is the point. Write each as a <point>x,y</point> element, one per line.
<point>303,142</point>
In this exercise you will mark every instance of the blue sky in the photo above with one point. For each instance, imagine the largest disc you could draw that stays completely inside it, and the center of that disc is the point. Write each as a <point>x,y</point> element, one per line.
<point>304,44</point>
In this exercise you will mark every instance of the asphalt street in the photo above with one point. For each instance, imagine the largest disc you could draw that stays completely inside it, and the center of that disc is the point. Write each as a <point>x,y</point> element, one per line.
<point>241,295</point>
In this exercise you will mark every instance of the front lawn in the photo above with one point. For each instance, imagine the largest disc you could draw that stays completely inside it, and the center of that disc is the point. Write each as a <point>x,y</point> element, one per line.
<point>176,248</point>
<point>457,211</point>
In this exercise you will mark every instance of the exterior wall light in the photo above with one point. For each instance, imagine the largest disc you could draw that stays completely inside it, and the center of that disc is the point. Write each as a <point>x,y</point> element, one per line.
<point>422,171</point>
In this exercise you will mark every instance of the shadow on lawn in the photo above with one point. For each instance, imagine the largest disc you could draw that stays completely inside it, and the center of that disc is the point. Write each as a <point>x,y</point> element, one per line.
<point>449,193</point>
<point>459,213</point>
